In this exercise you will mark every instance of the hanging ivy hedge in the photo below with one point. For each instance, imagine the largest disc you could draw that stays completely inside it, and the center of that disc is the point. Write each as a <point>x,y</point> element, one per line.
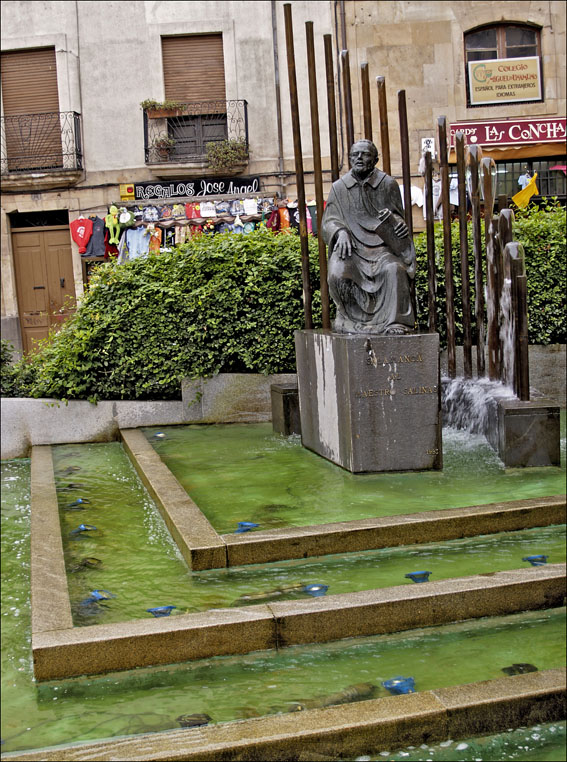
<point>231,303</point>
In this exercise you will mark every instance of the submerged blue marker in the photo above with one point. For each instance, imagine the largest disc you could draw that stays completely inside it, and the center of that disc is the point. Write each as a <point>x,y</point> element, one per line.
<point>536,560</point>
<point>83,528</point>
<point>245,526</point>
<point>418,576</point>
<point>399,685</point>
<point>161,610</point>
<point>315,590</point>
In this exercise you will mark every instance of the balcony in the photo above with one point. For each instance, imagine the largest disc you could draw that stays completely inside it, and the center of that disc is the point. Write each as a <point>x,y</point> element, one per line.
<point>177,139</point>
<point>40,150</point>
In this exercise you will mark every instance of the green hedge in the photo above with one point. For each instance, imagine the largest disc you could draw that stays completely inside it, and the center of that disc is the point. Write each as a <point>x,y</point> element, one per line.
<point>231,303</point>
<point>541,231</point>
<point>218,303</point>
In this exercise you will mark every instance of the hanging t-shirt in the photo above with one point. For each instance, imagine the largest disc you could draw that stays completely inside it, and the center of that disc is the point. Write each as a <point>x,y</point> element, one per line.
<point>81,231</point>
<point>95,246</point>
<point>154,235</point>
<point>138,242</point>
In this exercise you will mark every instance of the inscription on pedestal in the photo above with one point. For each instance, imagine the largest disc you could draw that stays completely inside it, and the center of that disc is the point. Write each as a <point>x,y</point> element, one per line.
<point>371,403</point>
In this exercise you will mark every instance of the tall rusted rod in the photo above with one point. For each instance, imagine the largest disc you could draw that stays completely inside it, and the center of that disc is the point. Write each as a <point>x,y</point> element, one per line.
<point>349,122</point>
<point>298,166</point>
<point>447,251</point>
<point>430,238</point>
<point>473,170</point>
<point>366,107</point>
<point>331,106</point>
<point>384,134</point>
<point>493,278</point>
<point>404,144</point>
<point>314,105</point>
<point>464,249</point>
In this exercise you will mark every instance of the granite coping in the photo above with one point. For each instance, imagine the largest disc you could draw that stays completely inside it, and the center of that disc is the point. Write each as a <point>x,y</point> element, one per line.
<point>102,648</point>
<point>390,531</point>
<point>50,604</point>
<point>347,730</point>
<point>198,542</point>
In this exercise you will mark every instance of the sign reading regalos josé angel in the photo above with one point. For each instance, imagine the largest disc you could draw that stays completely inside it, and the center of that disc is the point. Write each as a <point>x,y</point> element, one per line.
<point>504,80</point>
<point>202,186</point>
<point>510,132</point>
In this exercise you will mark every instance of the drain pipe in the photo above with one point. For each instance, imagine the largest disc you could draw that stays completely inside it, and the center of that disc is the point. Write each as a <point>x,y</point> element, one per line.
<point>338,49</point>
<point>278,98</point>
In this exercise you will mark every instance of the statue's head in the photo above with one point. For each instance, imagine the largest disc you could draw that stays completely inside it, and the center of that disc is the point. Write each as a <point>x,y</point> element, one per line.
<point>363,157</point>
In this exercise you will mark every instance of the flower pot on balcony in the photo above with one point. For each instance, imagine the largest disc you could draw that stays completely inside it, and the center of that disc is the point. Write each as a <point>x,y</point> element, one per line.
<point>162,113</point>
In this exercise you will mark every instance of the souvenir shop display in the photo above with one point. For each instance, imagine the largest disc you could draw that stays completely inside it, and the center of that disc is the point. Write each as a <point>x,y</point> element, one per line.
<point>134,232</point>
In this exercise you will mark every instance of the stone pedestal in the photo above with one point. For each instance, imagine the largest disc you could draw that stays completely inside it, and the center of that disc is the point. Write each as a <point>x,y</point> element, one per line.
<point>370,403</point>
<point>527,434</point>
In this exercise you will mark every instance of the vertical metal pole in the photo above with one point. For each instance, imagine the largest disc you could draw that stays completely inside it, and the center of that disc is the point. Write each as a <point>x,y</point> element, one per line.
<point>313,101</point>
<point>384,134</point>
<point>447,251</point>
<point>430,236</point>
<point>406,172</point>
<point>366,107</point>
<point>492,273</point>
<point>464,248</point>
<point>521,286</point>
<point>331,107</point>
<point>349,123</point>
<point>473,160</point>
<point>298,166</point>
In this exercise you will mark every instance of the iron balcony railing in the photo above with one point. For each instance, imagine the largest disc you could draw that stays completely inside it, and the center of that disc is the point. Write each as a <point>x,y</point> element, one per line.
<point>49,141</point>
<point>182,134</point>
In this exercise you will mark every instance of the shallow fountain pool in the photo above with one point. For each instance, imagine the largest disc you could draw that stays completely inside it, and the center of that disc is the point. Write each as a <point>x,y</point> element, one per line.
<point>245,472</point>
<point>226,688</point>
<point>141,566</point>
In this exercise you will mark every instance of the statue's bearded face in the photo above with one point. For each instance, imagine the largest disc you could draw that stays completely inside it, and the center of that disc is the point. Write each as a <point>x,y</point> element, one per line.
<point>362,159</point>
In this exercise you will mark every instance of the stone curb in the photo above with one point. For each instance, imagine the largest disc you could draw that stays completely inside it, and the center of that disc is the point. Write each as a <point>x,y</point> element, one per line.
<point>347,730</point>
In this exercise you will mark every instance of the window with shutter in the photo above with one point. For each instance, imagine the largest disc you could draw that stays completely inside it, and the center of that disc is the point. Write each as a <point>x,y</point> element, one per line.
<point>32,122</point>
<point>193,70</point>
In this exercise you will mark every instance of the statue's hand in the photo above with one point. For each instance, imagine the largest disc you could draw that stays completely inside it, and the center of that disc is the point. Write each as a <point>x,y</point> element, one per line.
<point>342,244</point>
<point>401,230</point>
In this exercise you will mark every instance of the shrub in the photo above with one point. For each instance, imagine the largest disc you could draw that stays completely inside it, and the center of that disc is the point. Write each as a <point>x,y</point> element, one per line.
<point>227,302</point>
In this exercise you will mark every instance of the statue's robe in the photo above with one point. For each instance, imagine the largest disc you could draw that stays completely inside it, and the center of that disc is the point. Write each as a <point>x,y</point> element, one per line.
<point>371,288</point>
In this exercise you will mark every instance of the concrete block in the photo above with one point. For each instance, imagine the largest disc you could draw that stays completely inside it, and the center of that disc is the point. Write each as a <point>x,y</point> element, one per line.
<point>529,433</point>
<point>285,409</point>
<point>370,403</point>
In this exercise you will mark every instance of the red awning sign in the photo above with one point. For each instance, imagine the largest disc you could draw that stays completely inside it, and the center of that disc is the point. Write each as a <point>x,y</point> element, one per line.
<point>511,132</point>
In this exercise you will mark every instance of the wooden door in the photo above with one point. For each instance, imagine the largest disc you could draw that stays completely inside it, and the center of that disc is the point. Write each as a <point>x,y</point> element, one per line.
<point>45,285</point>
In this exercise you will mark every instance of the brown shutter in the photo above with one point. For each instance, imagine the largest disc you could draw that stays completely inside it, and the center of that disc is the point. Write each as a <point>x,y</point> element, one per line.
<point>31,109</point>
<point>193,68</point>
<point>29,82</point>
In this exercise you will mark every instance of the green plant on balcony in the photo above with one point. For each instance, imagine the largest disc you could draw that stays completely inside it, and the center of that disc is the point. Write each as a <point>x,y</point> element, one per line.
<point>163,145</point>
<point>158,109</point>
<point>223,155</point>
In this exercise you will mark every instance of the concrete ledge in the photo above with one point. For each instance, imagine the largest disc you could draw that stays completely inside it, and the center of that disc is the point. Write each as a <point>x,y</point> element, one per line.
<point>50,606</point>
<point>346,731</point>
<point>391,531</point>
<point>147,642</point>
<point>393,609</point>
<point>225,398</point>
<point>106,648</point>
<point>198,542</point>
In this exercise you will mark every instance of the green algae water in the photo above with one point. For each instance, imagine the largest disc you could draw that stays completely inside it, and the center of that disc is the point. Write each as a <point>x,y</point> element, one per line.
<point>229,688</point>
<point>138,563</point>
<point>245,472</point>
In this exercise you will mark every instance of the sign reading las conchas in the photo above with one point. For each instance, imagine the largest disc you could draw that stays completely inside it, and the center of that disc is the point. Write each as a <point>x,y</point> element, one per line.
<point>504,80</point>
<point>511,132</point>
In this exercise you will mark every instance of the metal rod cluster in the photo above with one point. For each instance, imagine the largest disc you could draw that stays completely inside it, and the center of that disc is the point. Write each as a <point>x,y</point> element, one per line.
<point>505,307</point>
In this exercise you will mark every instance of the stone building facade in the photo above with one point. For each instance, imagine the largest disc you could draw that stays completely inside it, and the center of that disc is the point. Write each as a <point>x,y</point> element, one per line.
<point>74,76</point>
